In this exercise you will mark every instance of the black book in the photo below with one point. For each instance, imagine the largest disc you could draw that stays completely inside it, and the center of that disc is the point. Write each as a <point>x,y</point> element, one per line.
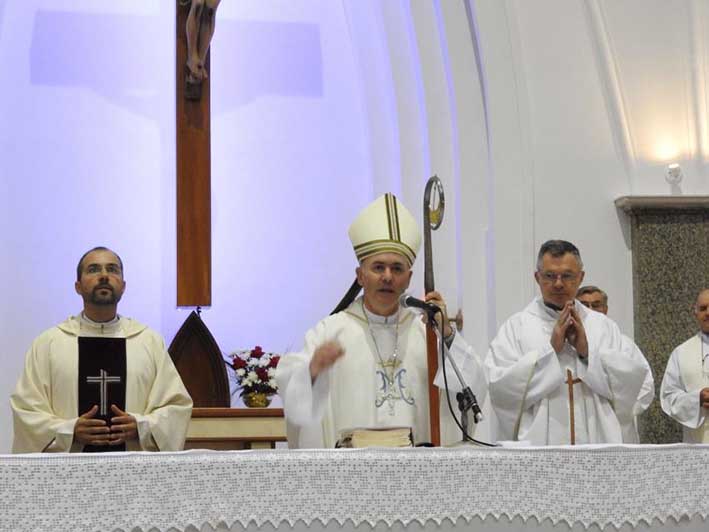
<point>102,380</point>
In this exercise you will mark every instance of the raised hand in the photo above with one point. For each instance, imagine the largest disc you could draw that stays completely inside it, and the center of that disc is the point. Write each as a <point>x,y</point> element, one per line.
<point>324,357</point>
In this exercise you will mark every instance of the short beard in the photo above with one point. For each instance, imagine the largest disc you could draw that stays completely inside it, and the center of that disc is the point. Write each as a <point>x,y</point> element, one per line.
<point>104,301</point>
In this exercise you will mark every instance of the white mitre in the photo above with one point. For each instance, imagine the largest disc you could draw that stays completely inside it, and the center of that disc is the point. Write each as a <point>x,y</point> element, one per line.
<point>385,226</point>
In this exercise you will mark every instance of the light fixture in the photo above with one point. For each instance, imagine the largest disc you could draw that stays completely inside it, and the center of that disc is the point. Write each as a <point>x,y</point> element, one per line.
<point>673,175</point>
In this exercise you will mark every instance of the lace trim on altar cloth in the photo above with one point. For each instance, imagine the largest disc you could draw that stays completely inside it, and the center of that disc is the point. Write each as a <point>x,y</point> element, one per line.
<point>589,485</point>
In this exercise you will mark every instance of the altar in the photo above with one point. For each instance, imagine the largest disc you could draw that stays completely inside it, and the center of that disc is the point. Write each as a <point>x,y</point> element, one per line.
<point>662,487</point>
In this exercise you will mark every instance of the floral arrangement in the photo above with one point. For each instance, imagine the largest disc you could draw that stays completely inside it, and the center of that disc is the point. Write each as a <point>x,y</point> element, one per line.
<point>255,371</point>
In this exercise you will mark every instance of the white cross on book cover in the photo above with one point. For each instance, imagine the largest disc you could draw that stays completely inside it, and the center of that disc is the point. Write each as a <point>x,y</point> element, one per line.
<point>102,380</point>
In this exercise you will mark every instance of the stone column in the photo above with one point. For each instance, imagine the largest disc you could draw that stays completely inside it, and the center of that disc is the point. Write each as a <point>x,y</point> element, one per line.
<point>670,249</point>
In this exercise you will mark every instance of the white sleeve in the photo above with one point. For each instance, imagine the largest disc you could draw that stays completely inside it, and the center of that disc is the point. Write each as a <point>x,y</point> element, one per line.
<point>162,425</point>
<point>647,390</point>
<point>470,366</point>
<point>614,370</point>
<point>303,400</point>
<point>678,403</point>
<point>36,427</point>
<point>518,380</point>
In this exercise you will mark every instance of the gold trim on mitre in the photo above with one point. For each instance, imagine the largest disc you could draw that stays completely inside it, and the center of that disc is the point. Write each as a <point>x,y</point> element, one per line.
<point>385,226</point>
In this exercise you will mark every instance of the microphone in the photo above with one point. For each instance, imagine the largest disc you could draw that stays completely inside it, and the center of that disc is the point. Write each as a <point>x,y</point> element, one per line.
<point>408,301</point>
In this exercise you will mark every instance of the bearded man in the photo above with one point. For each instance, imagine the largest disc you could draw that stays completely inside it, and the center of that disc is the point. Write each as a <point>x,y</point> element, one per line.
<point>99,381</point>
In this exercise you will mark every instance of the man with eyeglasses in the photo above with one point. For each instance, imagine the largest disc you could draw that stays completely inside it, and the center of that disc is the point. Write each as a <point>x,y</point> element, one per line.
<point>596,299</point>
<point>99,381</point>
<point>684,392</point>
<point>556,370</point>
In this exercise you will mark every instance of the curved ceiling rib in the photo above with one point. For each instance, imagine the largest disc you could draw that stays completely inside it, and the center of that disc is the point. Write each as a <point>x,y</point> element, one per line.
<point>612,89</point>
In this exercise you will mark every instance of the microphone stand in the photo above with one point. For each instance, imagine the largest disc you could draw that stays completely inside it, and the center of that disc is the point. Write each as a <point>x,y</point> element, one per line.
<point>466,399</point>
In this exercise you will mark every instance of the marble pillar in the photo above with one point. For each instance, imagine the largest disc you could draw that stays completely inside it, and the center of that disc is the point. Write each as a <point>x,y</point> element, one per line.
<point>670,249</point>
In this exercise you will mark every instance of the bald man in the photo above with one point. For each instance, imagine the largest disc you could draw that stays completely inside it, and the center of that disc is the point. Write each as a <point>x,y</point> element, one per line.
<point>684,393</point>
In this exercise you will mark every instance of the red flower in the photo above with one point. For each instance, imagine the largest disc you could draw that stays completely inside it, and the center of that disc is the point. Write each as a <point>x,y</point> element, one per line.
<point>274,361</point>
<point>238,363</point>
<point>262,374</point>
<point>257,352</point>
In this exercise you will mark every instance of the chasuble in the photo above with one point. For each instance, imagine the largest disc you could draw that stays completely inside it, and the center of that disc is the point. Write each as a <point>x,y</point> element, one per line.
<point>47,400</point>
<point>368,387</point>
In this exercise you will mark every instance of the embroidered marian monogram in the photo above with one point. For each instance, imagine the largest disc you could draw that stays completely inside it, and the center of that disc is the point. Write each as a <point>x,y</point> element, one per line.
<point>392,388</point>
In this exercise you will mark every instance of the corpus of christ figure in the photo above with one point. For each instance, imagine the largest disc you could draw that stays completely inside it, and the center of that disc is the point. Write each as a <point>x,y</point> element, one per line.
<point>200,30</point>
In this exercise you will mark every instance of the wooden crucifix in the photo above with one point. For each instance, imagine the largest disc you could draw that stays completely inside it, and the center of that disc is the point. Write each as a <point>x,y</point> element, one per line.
<point>195,28</point>
<point>570,381</point>
<point>194,351</point>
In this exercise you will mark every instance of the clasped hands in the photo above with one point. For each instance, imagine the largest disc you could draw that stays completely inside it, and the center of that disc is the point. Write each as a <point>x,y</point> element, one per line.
<point>569,328</point>
<point>91,431</point>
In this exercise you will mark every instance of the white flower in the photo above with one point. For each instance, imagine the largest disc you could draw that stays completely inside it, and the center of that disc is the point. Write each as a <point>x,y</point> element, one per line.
<point>271,372</point>
<point>273,384</point>
<point>241,372</point>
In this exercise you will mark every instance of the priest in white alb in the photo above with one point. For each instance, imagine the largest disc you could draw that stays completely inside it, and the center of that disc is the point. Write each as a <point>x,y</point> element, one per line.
<point>365,366</point>
<point>684,393</point>
<point>99,381</point>
<point>557,372</point>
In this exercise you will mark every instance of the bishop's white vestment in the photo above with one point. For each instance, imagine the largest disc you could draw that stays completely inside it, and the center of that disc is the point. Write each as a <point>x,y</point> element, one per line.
<point>45,401</point>
<point>527,380</point>
<point>686,374</point>
<point>365,387</point>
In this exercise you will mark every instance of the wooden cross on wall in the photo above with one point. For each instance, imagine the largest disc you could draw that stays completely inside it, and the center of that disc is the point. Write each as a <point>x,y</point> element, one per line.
<point>194,350</point>
<point>193,165</point>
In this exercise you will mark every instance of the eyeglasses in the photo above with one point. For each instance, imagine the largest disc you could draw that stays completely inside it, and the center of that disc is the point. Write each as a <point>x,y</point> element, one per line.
<point>551,277</point>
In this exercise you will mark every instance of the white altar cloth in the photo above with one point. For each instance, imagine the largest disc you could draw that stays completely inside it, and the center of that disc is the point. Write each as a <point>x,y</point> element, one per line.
<point>583,486</point>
